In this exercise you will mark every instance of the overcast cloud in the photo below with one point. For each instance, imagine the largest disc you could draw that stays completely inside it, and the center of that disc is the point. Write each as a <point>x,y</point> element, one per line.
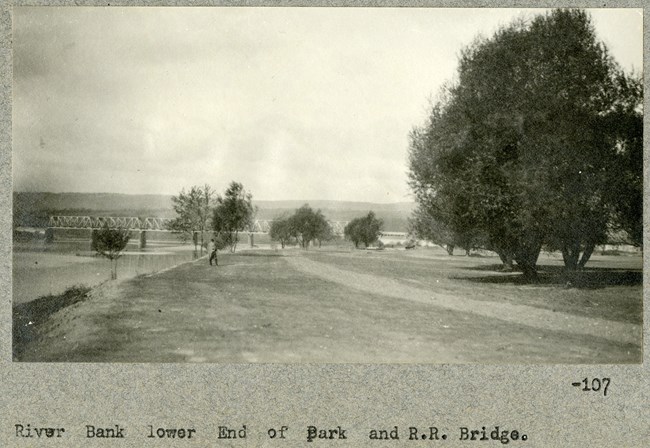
<point>306,103</point>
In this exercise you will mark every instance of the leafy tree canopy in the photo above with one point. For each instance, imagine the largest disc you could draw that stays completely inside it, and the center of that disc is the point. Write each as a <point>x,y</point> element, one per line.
<point>281,230</point>
<point>307,225</point>
<point>234,212</point>
<point>534,143</point>
<point>193,209</point>
<point>366,229</point>
<point>109,243</point>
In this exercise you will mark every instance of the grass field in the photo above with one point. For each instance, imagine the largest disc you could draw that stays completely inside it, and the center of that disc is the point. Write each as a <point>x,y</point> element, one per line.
<point>340,305</point>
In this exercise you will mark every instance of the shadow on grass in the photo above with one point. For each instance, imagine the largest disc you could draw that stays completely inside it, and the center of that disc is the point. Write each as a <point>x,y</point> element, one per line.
<point>254,253</point>
<point>594,278</point>
<point>486,267</point>
<point>28,317</point>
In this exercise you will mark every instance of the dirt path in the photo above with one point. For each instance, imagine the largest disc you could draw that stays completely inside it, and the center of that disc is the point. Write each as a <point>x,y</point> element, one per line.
<point>518,314</point>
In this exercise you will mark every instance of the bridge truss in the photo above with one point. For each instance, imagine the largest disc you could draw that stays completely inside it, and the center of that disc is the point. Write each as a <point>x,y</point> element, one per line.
<point>96,222</point>
<point>260,226</point>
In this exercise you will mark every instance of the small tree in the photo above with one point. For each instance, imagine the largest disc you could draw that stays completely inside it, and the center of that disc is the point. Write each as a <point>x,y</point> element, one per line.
<point>307,225</point>
<point>194,212</point>
<point>366,230</point>
<point>281,231</point>
<point>371,229</point>
<point>352,232</point>
<point>234,213</point>
<point>325,232</point>
<point>109,243</point>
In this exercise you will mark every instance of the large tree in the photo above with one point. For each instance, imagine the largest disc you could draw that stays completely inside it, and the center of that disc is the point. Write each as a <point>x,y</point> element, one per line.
<point>527,145</point>
<point>233,213</point>
<point>193,209</point>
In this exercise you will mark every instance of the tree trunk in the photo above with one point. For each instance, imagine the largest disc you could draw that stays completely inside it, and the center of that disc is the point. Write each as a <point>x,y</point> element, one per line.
<point>233,246</point>
<point>506,259</point>
<point>589,249</point>
<point>450,249</point>
<point>49,236</point>
<point>570,255</point>
<point>530,272</point>
<point>467,252</point>
<point>526,259</point>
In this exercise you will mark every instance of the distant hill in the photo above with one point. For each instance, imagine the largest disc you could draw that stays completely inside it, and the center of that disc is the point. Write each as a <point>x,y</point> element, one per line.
<point>94,201</point>
<point>32,209</point>
<point>337,205</point>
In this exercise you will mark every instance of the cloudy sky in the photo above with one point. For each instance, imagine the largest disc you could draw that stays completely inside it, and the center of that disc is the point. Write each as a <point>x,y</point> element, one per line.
<point>294,103</point>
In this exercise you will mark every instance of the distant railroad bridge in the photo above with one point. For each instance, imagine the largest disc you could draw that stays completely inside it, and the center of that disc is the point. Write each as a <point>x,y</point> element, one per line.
<point>260,226</point>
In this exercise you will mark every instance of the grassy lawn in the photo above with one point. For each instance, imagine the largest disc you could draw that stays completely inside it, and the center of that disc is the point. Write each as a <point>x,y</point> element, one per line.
<point>352,306</point>
<point>609,288</point>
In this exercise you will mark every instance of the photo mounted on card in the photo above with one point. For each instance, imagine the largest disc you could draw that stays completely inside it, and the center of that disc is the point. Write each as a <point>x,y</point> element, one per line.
<point>327,185</point>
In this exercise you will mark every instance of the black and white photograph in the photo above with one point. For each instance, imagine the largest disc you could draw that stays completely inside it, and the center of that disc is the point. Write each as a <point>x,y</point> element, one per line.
<point>327,185</point>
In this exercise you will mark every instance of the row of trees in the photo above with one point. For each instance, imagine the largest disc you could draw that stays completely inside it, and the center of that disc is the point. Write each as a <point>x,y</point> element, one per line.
<point>201,211</point>
<point>307,225</point>
<point>537,143</point>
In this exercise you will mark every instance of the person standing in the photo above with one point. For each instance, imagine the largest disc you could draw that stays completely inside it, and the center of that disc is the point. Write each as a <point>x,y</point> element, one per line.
<point>212,248</point>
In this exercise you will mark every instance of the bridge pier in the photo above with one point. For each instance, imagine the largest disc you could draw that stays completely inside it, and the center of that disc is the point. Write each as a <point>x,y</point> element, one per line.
<point>143,239</point>
<point>93,239</point>
<point>251,239</point>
